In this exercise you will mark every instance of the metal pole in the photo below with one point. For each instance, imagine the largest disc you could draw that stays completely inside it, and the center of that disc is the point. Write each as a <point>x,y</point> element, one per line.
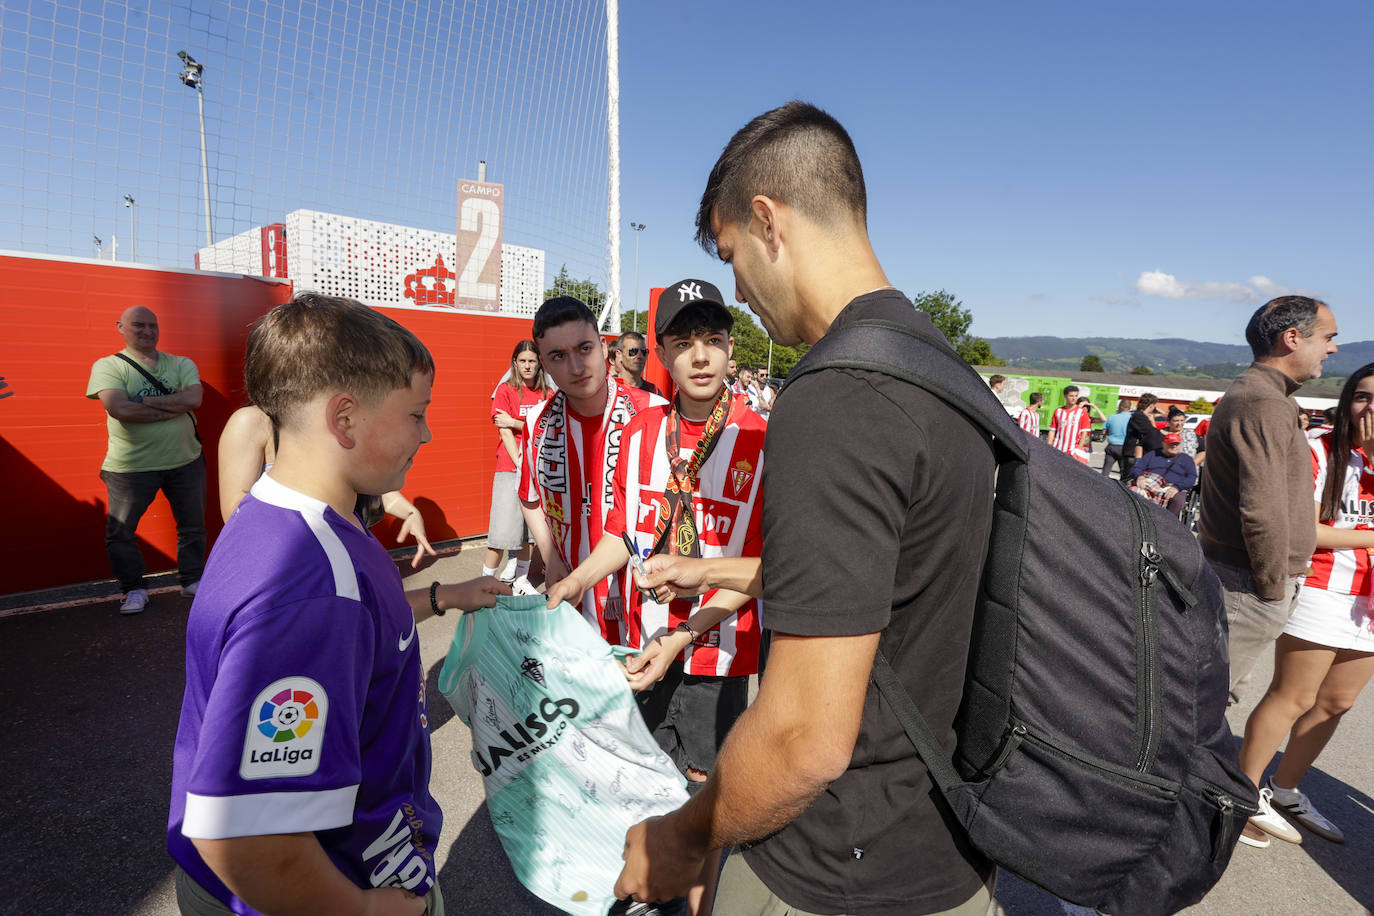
<point>770,357</point>
<point>613,163</point>
<point>634,316</point>
<point>204,163</point>
<point>133,238</point>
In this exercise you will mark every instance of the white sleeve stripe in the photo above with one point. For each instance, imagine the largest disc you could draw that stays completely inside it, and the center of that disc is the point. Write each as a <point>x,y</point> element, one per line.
<point>345,576</point>
<point>211,817</point>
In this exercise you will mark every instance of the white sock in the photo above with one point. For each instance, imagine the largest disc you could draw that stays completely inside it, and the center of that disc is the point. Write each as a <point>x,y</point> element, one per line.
<point>488,570</point>
<point>522,568</point>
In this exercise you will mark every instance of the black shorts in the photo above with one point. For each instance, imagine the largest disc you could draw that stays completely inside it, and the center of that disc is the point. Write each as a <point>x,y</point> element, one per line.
<point>690,714</point>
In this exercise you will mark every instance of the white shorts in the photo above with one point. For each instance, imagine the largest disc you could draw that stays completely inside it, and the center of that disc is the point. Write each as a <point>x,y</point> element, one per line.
<point>1332,619</point>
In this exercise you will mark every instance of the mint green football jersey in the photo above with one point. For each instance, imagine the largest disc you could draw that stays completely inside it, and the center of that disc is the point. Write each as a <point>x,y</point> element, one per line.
<point>567,761</point>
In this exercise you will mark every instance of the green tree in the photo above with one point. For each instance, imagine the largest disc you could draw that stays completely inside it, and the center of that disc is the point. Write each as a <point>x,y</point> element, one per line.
<point>1142,370</point>
<point>953,320</point>
<point>586,290</point>
<point>1201,405</point>
<point>1091,363</point>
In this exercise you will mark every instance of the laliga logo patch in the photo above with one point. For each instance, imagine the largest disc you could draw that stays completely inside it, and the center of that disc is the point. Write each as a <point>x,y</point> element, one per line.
<point>689,290</point>
<point>285,730</point>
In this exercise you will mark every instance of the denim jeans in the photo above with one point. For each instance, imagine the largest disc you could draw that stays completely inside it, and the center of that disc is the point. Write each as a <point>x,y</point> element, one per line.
<point>130,494</point>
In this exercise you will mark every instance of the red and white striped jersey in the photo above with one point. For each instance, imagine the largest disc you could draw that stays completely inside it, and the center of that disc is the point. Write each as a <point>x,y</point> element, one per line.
<point>1346,572</point>
<point>1028,418</point>
<point>569,470</point>
<point>728,506</point>
<point>1067,425</point>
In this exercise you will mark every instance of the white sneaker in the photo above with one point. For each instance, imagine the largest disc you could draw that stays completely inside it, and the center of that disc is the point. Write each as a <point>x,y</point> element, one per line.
<point>1273,823</point>
<point>135,600</point>
<point>189,591</point>
<point>1299,807</point>
<point>522,586</point>
<point>508,571</point>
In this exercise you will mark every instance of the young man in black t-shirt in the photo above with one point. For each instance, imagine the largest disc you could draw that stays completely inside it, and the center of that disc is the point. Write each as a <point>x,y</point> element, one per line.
<point>861,551</point>
<point>1141,433</point>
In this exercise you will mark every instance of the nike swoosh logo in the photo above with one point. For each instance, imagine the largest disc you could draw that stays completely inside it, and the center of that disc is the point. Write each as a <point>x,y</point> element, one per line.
<point>404,642</point>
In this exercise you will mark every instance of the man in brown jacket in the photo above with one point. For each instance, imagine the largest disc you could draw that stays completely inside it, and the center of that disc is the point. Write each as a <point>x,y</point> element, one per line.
<point>1257,525</point>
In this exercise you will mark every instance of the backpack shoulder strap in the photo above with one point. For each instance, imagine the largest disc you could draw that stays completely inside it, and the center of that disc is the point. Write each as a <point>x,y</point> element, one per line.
<point>923,359</point>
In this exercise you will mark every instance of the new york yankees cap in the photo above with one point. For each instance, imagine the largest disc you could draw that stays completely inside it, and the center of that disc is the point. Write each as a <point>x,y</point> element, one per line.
<point>683,293</point>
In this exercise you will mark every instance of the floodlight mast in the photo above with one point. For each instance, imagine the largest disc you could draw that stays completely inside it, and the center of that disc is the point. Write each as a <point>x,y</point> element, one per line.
<point>192,75</point>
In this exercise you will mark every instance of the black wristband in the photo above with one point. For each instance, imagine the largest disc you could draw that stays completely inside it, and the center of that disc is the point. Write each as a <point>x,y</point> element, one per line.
<point>434,599</point>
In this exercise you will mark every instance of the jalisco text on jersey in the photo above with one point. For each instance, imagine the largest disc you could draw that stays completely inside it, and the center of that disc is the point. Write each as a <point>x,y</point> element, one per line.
<point>534,727</point>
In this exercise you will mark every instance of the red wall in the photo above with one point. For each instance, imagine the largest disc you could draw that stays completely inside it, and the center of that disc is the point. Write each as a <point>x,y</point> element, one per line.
<point>52,438</point>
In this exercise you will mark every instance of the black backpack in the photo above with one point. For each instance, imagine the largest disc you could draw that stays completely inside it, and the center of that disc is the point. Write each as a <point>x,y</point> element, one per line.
<point>1093,755</point>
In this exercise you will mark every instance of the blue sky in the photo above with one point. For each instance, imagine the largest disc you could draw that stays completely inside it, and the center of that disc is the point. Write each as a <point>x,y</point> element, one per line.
<point>1068,169</point>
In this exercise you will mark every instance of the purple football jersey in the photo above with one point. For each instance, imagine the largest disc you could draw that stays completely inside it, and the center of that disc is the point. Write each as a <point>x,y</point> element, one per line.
<point>305,699</point>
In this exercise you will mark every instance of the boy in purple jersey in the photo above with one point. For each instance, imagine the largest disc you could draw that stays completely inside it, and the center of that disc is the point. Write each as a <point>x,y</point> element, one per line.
<point>300,777</point>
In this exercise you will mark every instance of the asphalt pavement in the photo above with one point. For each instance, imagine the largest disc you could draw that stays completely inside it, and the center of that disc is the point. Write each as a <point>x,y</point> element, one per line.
<point>88,712</point>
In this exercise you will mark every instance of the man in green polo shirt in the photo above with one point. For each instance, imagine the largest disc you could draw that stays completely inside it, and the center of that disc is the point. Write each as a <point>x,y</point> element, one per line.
<point>149,396</point>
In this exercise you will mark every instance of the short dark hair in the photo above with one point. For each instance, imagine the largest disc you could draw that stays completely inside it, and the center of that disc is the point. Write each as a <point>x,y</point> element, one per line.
<point>700,318</point>
<point>1276,316</point>
<point>628,335</point>
<point>795,154</point>
<point>1068,388</point>
<point>1036,398</point>
<point>316,344</point>
<point>560,310</point>
<point>1146,400</point>
<point>995,379</point>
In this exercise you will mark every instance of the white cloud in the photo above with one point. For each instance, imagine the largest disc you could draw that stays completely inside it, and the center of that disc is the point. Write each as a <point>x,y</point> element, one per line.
<point>1169,287</point>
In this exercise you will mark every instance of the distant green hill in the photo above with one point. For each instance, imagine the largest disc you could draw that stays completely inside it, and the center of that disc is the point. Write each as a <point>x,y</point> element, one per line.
<point>1172,355</point>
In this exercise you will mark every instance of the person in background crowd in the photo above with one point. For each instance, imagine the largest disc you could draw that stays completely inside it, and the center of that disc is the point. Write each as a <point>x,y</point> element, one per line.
<point>1303,420</point>
<point>1165,476</point>
<point>817,776</point>
<point>1141,433</point>
<point>1193,444</point>
<point>247,449</point>
<point>765,392</point>
<point>1093,411</point>
<point>628,357</point>
<point>1115,427</point>
<point>149,398</point>
<point>1325,655</point>
<point>1255,526</point>
<point>997,383</point>
<point>1028,417</point>
<point>1070,426</point>
<point>732,376</point>
<point>510,407</point>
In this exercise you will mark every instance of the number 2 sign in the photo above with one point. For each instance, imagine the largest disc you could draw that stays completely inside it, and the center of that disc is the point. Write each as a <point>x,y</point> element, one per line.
<point>480,208</point>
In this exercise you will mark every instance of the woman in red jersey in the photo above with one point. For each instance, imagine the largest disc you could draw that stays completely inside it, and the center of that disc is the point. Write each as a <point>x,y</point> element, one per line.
<point>512,400</point>
<point>1326,653</point>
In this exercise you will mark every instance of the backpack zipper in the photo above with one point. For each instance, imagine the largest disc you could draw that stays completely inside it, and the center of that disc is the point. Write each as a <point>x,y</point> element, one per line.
<point>1147,637</point>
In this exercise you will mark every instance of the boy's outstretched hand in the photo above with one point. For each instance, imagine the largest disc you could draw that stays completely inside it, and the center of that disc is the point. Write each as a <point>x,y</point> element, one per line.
<point>414,526</point>
<point>473,594</point>
<point>567,589</point>
<point>648,667</point>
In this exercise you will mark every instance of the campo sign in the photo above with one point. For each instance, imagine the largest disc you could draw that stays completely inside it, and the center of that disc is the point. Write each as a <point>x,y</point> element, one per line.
<point>481,206</point>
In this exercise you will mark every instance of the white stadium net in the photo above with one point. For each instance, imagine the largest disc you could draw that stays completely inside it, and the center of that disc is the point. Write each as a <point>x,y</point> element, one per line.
<point>342,141</point>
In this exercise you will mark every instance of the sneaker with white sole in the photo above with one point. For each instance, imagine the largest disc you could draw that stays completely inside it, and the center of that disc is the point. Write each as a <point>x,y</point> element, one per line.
<point>135,600</point>
<point>1273,823</point>
<point>522,586</point>
<point>1251,835</point>
<point>1299,807</point>
<point>189,591</point>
